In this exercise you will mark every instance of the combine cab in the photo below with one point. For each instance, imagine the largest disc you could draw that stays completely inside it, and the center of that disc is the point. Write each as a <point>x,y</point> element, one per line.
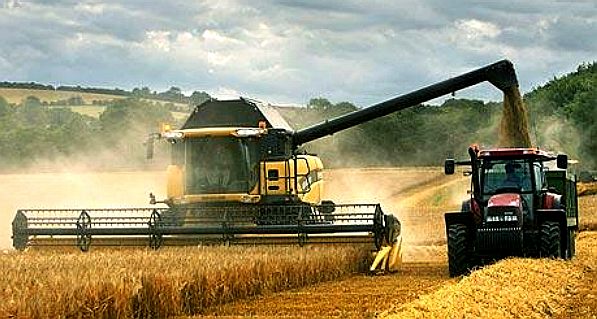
<point>519,206</point>
<point>238,175</point>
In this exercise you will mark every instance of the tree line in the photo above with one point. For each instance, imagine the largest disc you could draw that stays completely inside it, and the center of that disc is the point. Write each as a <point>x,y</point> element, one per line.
<point>173,94</point>
<point>562,117</point>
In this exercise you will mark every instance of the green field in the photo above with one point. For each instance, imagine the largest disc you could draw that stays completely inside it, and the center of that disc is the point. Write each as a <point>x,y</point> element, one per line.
<point>17,95</point>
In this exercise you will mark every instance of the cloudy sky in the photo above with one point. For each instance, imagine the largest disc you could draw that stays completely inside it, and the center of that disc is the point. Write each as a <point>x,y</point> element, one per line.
<point>289,51</point>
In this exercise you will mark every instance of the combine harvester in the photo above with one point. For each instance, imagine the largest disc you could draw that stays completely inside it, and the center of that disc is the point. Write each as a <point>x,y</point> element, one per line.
<point>519,206</point>
<point>238,177</point>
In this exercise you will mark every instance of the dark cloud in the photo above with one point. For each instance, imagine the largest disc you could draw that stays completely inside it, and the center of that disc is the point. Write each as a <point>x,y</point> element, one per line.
<point>289,51</point>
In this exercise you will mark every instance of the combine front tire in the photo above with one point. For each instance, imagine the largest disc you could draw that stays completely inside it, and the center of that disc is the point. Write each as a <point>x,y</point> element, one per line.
<point>459,253</point>
<point>550,240</point>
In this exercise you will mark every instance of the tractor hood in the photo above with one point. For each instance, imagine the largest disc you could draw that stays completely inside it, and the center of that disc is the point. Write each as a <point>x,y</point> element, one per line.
<point>504,209</point>
<point>505,200</point>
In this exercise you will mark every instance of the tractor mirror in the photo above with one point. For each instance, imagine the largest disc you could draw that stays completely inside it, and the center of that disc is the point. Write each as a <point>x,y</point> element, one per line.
<point>562,161</point>
<point>449,166</point>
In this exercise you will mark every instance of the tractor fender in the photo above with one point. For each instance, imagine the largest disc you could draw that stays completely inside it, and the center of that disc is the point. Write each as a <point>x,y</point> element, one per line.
<point>464,218</point>
<point>552,215</point>
<point>471,205</point>
<point>552,201</point>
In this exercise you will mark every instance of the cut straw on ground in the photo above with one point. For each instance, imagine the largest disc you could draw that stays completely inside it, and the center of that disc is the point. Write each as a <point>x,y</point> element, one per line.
<point>511,288</point>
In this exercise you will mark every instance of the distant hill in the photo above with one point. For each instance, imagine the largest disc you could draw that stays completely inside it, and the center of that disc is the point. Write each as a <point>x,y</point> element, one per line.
<point>16,95</point>
<point>173,95</point>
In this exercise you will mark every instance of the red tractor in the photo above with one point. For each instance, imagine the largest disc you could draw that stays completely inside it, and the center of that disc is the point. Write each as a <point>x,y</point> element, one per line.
<point>519,206</point>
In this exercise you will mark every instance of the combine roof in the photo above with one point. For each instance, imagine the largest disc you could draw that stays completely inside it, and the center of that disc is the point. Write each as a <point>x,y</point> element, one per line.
<point>234,113</point>
<point>505,153</point>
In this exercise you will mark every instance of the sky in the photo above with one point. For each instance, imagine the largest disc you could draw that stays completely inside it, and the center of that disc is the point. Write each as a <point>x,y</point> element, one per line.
<point>287,52</point>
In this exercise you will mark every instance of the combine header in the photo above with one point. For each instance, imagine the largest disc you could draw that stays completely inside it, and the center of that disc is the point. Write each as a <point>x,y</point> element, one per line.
<point>238,176</point>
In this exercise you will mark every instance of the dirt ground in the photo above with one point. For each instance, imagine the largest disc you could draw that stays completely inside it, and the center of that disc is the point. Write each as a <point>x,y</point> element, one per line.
<point>360,296</point>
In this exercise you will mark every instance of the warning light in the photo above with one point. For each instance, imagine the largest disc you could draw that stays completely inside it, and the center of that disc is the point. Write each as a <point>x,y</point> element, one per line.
<point>166,127</point>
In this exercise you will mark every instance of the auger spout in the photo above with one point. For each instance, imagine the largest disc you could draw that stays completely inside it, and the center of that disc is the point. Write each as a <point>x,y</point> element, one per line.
<point>501,74</point>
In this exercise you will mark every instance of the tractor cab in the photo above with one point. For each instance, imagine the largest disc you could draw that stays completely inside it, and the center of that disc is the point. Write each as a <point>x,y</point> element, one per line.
<point>514,178</point>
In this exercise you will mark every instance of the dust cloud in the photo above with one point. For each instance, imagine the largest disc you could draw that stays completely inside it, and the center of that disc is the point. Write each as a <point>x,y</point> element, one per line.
<point>75,190</point>
<point>418,196</point>
<point>514,128</point>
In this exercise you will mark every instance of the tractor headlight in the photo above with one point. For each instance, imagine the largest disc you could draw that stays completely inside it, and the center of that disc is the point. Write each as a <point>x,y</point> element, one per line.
<point>502,218</point>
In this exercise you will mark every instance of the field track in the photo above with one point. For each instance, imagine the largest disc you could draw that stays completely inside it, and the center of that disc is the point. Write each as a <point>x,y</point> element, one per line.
<point>360,296</point>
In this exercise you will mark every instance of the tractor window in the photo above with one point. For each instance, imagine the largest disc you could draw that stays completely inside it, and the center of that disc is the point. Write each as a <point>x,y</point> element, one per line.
<point>218,165</point>
<point>499,175</point>
<point>539,176</point>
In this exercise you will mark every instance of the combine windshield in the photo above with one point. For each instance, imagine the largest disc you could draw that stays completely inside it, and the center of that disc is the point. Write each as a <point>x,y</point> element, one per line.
<point>506,175</point>
<point>220,165</point>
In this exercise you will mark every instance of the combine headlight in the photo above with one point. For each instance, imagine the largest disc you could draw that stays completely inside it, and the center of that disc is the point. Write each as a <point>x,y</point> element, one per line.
<point>250,199</point>
<point>246,132</point>
<point>173,135</point>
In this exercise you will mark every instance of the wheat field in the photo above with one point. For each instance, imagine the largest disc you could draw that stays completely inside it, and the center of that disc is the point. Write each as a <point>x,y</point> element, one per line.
<point>157,284</point>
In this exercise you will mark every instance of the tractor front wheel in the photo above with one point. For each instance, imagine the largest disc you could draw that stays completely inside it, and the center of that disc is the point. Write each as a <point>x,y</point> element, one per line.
<point>550,240</point>
<point>459,253</point>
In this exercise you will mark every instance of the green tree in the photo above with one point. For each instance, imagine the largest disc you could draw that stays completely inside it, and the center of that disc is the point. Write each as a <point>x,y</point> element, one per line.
<point>320,104</point>
<point>198,98</point>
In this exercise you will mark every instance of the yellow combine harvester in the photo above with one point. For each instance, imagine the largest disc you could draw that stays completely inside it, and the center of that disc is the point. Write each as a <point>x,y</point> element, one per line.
<point>238,176</point>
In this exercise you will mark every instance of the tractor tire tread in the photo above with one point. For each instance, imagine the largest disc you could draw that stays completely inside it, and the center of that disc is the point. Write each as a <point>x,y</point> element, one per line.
<point>550,240</point>
<point>458,250</point>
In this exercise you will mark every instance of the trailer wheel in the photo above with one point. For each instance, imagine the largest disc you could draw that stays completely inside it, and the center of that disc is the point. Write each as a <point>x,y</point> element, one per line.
<point>550,240</point>
<point>458,250</point>
<point>571,244</point>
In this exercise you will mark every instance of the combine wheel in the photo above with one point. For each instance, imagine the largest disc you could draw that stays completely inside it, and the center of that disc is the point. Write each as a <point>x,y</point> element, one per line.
<point>83,235</point>
<point>550,240</point>
<point>302,239</point>
<point>459,254</point>
<point>155,235</point>
<point>19,232</point>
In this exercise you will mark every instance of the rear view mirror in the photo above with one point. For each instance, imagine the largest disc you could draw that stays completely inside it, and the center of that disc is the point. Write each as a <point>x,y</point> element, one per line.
<point>562,161</point>
<point>449,166</point>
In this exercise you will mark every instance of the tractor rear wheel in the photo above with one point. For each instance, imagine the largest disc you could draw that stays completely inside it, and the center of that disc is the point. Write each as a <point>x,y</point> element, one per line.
<point>459,253</point>
<point>550,240</point>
